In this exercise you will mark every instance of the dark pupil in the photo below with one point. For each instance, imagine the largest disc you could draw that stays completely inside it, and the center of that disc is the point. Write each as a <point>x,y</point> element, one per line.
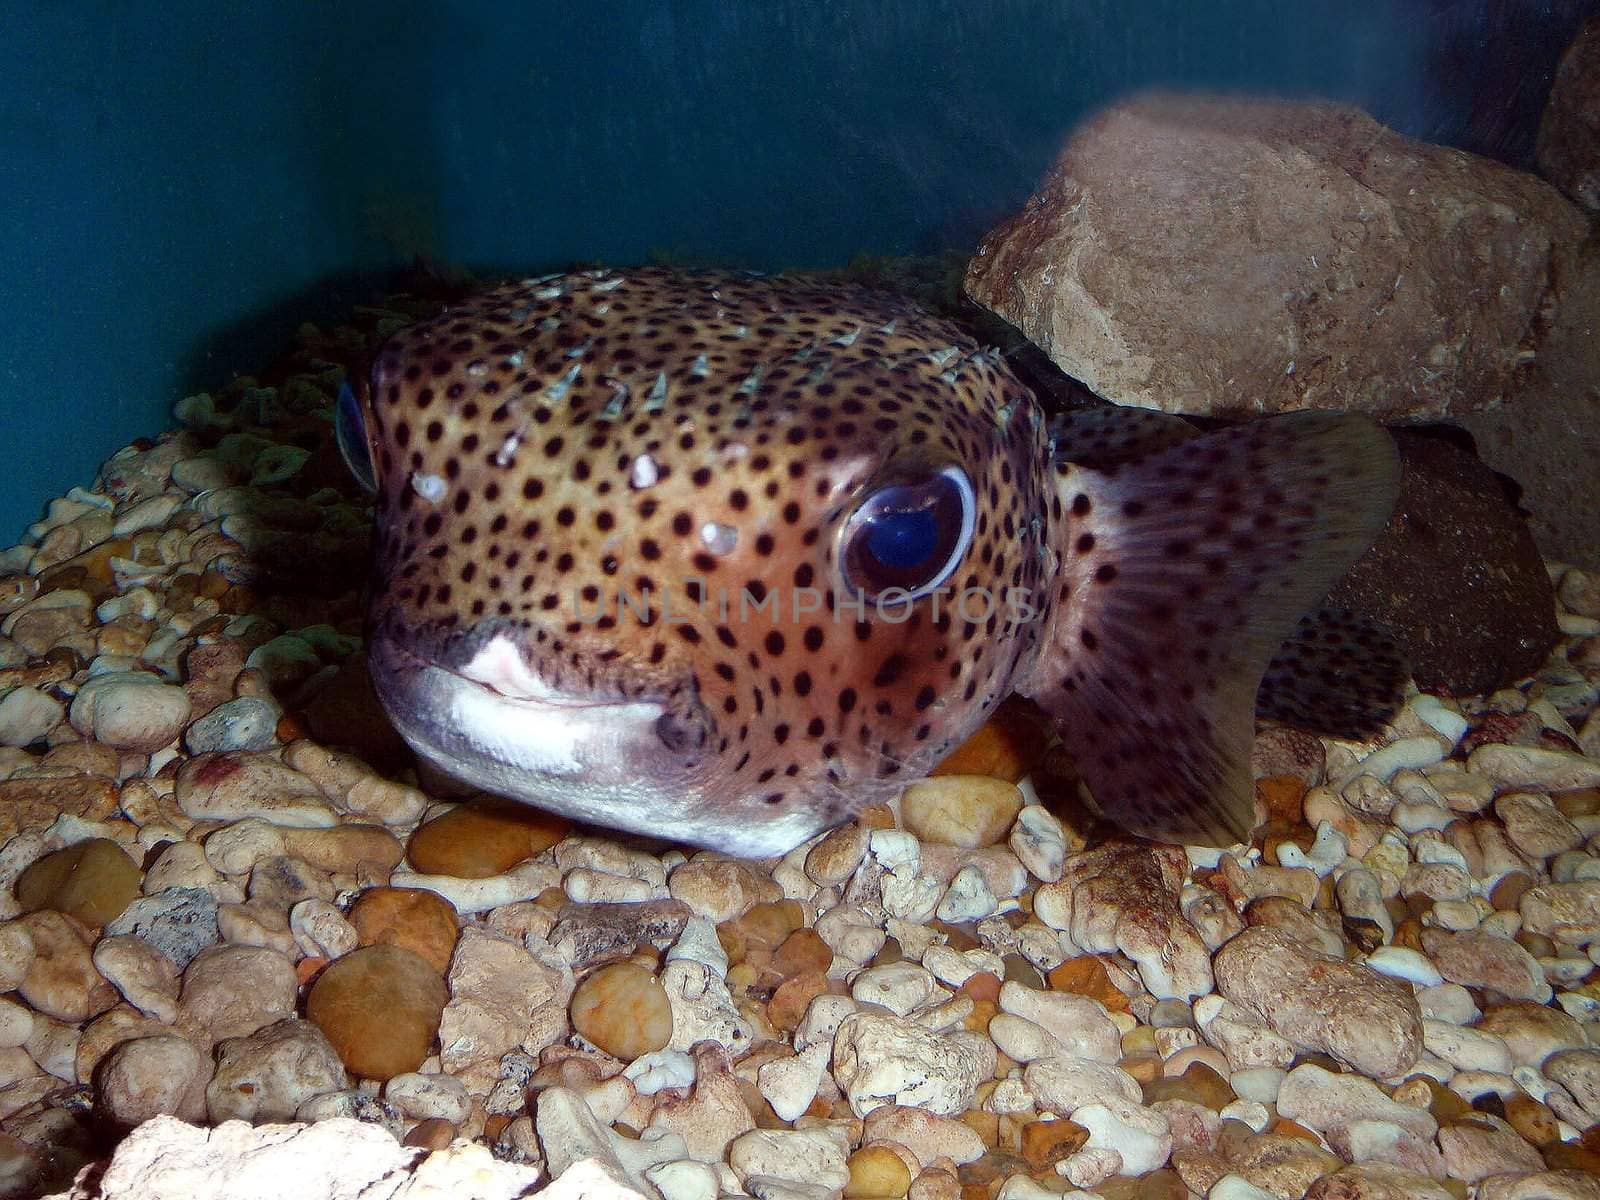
<point>904,540</point>
<point>903,536</point>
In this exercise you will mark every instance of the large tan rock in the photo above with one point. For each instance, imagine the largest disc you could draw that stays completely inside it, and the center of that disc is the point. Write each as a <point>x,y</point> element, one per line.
<point>1319,1003</point>
<point>1244,257</point>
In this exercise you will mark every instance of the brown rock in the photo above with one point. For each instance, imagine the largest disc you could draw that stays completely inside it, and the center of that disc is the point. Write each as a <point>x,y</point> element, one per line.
<point>623,1010</point>
<point>434,1133</point>
<point>379,1007</point>
<point>232,991</point>
<point>415,920</point>
<point>1045,1143</point>
<point>792,997</point>
<point>1365,1020</point>
<point>36,803</point>
<point>1532,1120</point>
<point>591,934</point>
<point>1569,135</point>
<point>1546,433</point>
<point>61,981</point>
<point>1475,958</point>
<point>93,881</point>
<point>483,838</point>
<point>1157,1185</point>
<point>1124,896</point>
<point>1198,1084</point>
<point>1455,577</point>
<point>1244,257</point>
<point>876,1171</point>
<point>1473,1151</point>
<point>1086,975</point>
<point>1280,750</point>
<point>1006,746</point>
<point>1377,1181</point>
<point>1532,1032</point>
<point>345,848</point>
<point>802,951</point>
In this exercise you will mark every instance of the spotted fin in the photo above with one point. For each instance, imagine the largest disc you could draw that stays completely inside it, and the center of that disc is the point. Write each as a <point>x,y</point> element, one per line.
<point>1183,573</point>
<point>1110,436</point>
<point>1339,674</point>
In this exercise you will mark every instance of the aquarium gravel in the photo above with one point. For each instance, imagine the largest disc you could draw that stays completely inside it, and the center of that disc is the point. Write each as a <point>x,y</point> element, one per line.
<point>229,900</point>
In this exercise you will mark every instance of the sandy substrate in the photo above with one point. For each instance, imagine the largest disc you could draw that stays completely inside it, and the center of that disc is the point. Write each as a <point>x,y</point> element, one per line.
<point>226,899</point>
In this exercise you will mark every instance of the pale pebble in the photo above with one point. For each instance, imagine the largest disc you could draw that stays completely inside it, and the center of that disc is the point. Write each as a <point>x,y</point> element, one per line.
<point>660,1069</point>
<point>1402,962</point>
<point>1251,1112</point>
<point>1140,1135</point>
<point>882,1059</point>
<point>901,987</point>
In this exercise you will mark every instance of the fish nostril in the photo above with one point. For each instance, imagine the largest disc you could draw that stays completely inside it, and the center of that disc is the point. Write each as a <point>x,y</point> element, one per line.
<point>679,734</point>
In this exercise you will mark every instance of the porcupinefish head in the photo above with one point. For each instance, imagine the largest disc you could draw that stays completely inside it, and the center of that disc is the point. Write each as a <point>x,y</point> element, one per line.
<point>722,558</point>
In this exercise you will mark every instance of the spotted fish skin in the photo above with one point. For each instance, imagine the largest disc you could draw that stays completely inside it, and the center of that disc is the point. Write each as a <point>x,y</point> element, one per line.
<point>549,446</point>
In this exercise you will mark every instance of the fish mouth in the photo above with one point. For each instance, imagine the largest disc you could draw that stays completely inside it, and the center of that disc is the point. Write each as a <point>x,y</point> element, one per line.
<point>483,717</point>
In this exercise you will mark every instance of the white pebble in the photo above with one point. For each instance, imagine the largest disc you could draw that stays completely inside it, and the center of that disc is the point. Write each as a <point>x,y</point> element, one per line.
<point>1401,962</point>
<point>790,1084</point>
<point>682,1180</point>
<point>902,988</point>
<point>650,1073</point>
<point>698,942</point>
<point>1447,722</point>
<point>1251,1112</point>
<point>1038,840</point>
<point>1415,817</point>
<point>1327,851</point>
<point>1448,1002</point>
<point>1260,1084</point>
<point>896,850</point>
<point>1137,1133</point>
<point>584,886</point>
<point>968,898</point>
<point>1412,752</point>
<point>1091,1166</point>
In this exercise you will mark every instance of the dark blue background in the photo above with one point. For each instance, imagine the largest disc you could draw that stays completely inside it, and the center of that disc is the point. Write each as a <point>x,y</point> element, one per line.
<point>182,182</point>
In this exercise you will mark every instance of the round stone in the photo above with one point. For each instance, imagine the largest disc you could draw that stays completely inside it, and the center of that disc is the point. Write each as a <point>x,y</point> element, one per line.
<point>379,1007</point>
<point>411,918</point>
<point>971,811</point>
<point>876,1171</point>
<point>92,881</point>
<point>483,838</point>
<point>1006,746</point>
<point>623,1009</point>
<point>147,1077</point>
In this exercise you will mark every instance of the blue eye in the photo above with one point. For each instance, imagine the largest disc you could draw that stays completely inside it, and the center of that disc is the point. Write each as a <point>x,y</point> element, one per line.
<point>350,428</point>
<point>909,536</point>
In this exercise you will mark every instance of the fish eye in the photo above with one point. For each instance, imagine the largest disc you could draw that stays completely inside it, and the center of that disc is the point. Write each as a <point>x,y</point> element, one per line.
<point>350,429</point>
<point>909,536</point>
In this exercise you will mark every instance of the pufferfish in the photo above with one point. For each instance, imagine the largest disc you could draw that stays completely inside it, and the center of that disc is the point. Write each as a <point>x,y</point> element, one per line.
<point>722,558</point>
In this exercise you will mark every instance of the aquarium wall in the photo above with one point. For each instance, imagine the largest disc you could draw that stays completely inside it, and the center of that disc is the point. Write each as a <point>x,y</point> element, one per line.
<point>185,183</point>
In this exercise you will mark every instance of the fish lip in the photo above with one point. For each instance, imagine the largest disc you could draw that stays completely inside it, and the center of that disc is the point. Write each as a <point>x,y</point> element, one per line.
<point>403,661</point>
<point>522,744</point>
